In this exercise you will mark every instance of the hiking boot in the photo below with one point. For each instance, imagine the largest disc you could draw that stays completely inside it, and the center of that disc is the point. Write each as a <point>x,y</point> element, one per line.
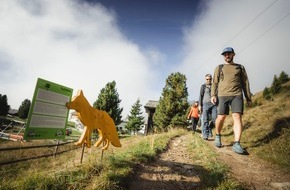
<point>217,141</point>
<point>238,149</point>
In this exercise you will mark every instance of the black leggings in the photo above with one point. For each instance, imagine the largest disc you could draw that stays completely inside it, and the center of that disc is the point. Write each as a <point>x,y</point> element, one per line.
<point>194,121</point>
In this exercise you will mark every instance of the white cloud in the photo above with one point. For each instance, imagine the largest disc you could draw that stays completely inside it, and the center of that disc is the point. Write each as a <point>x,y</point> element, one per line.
<point>81,46</point>
<point>259,31</point>
<point>73,44</point>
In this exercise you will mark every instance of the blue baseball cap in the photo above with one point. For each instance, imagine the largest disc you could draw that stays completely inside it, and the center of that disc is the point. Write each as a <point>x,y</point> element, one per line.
<point>228,50</point>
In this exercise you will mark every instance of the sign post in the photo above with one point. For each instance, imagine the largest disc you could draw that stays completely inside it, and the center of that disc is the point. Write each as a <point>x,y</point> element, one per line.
<point>48,114</point>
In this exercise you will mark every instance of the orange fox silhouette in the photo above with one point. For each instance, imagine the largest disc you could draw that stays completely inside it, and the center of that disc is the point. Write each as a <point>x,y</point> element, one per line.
<point>94,119</point>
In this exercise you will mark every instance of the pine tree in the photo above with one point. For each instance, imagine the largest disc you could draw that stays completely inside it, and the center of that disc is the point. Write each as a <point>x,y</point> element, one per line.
<point>108,100</point>
<point>283,78</point>
<point>172,108</point>
<point>4,107</point>
<point>276,85</point>
<point>24,109</point>
<point>135,119</point>
<point>266,93</point>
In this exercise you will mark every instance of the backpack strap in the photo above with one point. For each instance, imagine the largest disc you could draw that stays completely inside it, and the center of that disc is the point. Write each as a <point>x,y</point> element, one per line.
<point>221,74</point>
<point>242,70</point>
<point>203,88</point>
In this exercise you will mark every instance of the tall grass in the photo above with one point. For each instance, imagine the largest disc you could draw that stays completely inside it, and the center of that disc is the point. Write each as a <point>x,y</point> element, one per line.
<point>65,171</point>
<point>116,167</point>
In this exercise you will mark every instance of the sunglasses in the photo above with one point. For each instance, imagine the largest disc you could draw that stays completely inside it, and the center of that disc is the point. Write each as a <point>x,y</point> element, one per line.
<point>208,79</point>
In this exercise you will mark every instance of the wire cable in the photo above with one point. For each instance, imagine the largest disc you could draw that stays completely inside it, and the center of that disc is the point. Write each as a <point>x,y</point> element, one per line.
<point>253,20</point>
<point>270,28</point>
<point>244,28</point>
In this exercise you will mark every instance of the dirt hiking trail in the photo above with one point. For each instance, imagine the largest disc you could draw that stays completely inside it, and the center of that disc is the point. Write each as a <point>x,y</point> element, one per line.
<point>175,169</point>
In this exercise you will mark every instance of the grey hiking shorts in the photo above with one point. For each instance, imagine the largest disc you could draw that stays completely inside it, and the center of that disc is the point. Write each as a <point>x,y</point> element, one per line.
<point>236,104</point>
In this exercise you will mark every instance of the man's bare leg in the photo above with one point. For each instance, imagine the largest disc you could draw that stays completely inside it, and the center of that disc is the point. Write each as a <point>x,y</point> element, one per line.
<point>238,127</point>
<point>219,123</point>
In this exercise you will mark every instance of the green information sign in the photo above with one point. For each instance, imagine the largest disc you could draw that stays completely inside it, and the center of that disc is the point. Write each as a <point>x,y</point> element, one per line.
<point>48,114</point>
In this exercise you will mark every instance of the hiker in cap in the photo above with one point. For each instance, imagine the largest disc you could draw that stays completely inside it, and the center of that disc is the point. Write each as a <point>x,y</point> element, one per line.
<point>230,82</point>
<point>207,109</point>
<point>194,115</point>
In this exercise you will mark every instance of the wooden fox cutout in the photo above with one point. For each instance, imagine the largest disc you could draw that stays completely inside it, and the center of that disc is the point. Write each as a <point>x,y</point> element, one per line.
<point>94,119</point>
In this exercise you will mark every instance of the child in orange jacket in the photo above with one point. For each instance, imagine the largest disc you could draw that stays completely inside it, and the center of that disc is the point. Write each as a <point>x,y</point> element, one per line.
<point>194,115</point>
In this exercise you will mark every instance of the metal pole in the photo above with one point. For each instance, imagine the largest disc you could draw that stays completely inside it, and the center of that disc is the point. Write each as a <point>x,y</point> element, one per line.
<point>103,151</point>
<point>55,150</point>
<point>83,152</point>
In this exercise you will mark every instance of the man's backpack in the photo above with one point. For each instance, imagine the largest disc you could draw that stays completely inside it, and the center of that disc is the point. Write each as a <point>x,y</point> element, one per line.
<point>221,74</point>
<point>203,87</point>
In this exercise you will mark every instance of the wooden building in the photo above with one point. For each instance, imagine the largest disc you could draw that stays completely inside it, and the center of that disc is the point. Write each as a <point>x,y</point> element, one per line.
<point>150,108</point>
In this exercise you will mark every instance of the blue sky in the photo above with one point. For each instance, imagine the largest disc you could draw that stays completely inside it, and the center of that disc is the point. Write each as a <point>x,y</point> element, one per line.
<point>86,44</point>
<point>154,23</point>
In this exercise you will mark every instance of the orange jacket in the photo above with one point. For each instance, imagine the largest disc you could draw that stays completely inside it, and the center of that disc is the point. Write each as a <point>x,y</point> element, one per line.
<point>193,112</point>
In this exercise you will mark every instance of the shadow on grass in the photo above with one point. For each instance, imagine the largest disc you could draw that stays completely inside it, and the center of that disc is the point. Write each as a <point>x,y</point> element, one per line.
<point>279,125</point>
<point>176,176</point>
